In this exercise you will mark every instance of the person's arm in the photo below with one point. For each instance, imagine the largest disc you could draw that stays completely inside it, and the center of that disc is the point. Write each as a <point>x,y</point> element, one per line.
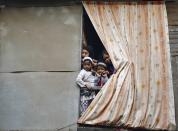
<point>91,84</point>
<point>105,78</point>
<point>79,79</point>
<point>97,79</point>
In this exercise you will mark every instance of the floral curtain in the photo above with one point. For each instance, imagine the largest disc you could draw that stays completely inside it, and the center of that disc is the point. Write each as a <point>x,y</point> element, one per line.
<point>140,93</point>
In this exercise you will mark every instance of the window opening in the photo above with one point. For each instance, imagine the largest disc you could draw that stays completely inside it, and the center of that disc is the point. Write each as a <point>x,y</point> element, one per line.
<point>96,66</point>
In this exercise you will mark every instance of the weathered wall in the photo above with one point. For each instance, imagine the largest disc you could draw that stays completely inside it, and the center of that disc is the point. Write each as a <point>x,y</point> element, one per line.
<point>34,41</point>
<point>172,10</point>
<point>173,32</point>
<point>43,100</point>
<point>40,39</point>
<point>172,13</point>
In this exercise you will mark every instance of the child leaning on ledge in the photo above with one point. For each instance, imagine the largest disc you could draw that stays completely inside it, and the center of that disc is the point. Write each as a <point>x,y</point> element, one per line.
<point>85,80</point>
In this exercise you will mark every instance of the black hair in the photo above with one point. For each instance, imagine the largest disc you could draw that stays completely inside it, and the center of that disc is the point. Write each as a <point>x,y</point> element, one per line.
<point>105,67</point>
<point>85,48</point>
<point>104,52</point>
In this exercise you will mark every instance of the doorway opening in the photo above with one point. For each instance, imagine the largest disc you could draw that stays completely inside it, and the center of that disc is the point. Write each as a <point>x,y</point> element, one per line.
<point>92,42</point>
<point>91,81</point>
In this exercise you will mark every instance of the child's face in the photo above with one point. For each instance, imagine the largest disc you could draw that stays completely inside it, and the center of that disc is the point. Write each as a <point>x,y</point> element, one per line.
<point>85,53</point>
<point>87,65</point>
<point>106,58</point>
<point>100,70</point>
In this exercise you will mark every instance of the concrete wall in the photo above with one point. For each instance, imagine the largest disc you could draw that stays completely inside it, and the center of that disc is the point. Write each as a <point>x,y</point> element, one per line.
<point>34,41</point>
<point>173,32</point>
<point>173,36</point>
<point>40,39</point>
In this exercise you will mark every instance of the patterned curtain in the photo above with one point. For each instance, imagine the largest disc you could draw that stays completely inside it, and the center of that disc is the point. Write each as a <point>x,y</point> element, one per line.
<point>140,93</point>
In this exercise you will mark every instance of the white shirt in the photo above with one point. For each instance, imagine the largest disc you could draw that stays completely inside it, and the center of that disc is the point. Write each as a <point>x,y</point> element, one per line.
<point>85,77</point>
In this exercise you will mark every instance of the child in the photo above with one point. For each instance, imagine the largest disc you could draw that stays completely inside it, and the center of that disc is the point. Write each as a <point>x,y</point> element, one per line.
<point>101,75</point>
<point>85,80</point>
<point>85,52</point>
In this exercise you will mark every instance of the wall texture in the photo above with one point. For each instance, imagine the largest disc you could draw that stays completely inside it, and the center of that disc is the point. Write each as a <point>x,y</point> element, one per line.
<point>40,39</point>
<point>172,13</point>
<point>173,36</point>
<point>34,41</point>
<point>173,32</point>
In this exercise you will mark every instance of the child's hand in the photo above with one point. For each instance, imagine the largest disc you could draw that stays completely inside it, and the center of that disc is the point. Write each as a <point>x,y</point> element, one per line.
<point>104,74</point>
<point>107,72</point>
<point>98,74</point>
<point>88,85</point>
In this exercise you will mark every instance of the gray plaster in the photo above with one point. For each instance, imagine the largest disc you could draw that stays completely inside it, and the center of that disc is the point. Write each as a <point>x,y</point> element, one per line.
<point>38,100</point>
<point>40,39</point>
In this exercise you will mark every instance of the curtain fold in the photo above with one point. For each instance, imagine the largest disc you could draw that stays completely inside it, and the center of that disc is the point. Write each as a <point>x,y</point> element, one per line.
<point>140,93</point>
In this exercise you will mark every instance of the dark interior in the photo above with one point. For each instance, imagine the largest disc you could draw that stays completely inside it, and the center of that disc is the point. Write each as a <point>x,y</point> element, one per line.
<point>92,39</point>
